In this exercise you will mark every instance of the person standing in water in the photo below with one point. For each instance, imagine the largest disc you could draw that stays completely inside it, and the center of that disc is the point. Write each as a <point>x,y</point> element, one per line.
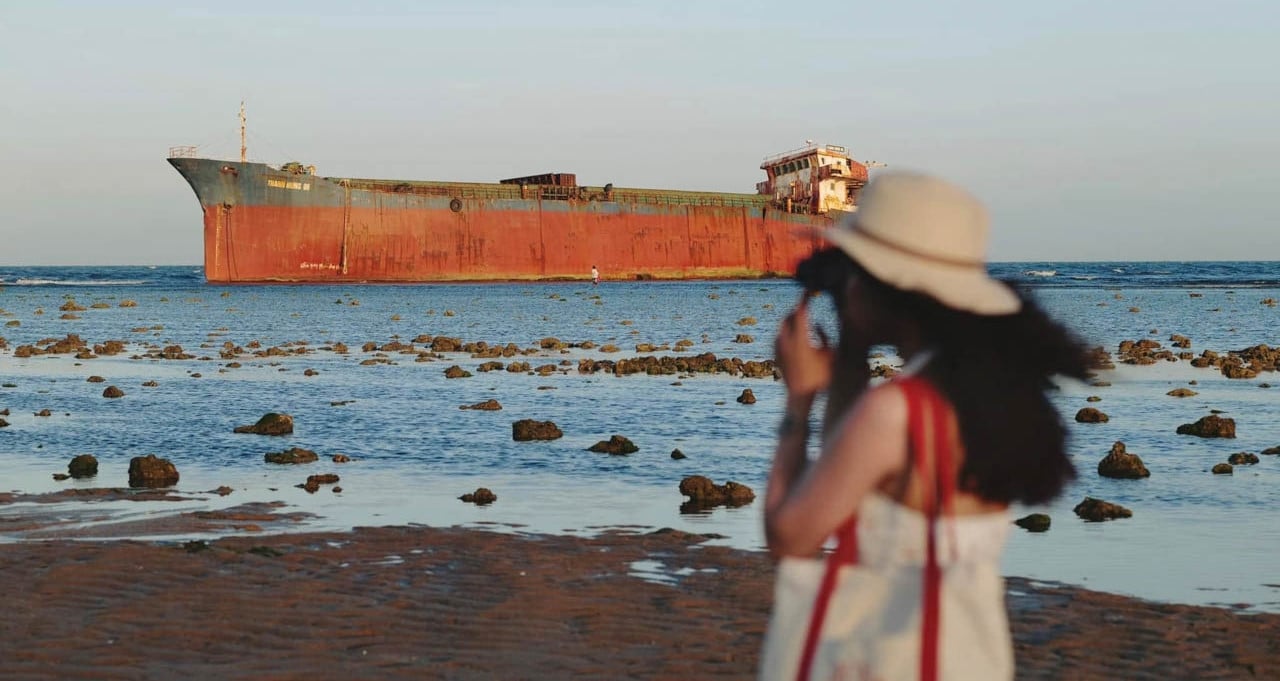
<point>595,276</point>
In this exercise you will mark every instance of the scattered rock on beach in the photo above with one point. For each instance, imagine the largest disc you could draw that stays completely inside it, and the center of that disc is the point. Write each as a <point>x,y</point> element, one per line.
<point>152,471</point>
<point>1121,464</point>
<point>1223,469</point>
<point>616,445</point>
<point>112,392</point>
<point>1210,426</point>
<point>291,455</point>
<point>1182,392</point>
<point>1242,459</point>
<point>704,494</point>
<point>487,405</point>
<point>529,429</point>
<point>83,466</point>
<point>1097,510</point>
<point>480,497</point>
<point>747,397</point>
<point>1036,522</point>
<point>271,423</point>
<point>1091,415</point>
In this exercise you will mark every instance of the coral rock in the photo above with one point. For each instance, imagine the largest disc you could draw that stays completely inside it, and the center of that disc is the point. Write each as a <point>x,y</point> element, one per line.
<point>152,471</point>
<point>480,497</point>
<point>529,429</point>
<point>1036,522</point>
<point>83,466</point>
<point>617,445</point>
<point>1091,415</point>
<point>1210,426</point>
<point>1121,464</point>
<point>1097,510</point>
<point>271,423</point>
<point>291,455</point>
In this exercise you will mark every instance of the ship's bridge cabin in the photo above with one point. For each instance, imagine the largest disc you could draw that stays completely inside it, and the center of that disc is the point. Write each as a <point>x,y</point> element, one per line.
<point>813,179</point>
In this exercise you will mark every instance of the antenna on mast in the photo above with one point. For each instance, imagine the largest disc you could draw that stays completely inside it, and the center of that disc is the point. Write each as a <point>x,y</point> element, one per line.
<point>243,149</point>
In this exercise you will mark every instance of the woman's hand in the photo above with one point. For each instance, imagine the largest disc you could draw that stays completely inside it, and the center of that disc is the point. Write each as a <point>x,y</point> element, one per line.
<point>805,367</point>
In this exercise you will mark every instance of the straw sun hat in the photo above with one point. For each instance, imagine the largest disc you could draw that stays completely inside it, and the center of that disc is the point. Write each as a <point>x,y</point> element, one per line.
<point>919,233</point>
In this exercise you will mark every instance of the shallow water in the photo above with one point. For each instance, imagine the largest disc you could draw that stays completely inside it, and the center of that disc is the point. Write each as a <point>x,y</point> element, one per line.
<point>1194,537</point>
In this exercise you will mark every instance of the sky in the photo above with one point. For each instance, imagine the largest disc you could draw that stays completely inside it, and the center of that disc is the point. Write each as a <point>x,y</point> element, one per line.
<point>1100,130</point>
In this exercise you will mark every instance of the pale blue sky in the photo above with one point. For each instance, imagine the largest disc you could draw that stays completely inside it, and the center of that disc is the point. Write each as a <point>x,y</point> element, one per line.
<point>1094,130</point>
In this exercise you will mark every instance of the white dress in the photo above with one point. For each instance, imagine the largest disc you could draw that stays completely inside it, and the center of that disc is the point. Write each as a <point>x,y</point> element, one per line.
<point>872,628</point>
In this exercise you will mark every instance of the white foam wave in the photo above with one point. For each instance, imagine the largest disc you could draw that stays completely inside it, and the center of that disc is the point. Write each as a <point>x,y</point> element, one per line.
<point>76,282</point>
<point>1041,273</point>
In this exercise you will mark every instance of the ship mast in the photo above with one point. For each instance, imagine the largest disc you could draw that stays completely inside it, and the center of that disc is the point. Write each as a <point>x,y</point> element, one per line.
<point>242,144</point>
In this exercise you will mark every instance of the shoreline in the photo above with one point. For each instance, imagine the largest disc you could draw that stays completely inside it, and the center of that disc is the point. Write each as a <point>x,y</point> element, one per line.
<point>422,602</point>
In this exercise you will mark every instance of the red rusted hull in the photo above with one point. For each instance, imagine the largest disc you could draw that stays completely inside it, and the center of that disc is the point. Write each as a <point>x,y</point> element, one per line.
<point>330,232</point>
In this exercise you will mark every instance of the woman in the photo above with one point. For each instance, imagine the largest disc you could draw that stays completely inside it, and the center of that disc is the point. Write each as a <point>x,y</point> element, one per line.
<point>909,271</point>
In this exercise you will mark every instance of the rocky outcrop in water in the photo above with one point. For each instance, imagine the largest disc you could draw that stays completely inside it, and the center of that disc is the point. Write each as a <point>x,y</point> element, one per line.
<point>747,397</point>
<point>271,423</point>
<point>1036,522</point>
<point>1091,415</point>
<point>291,455</point>
<point>152,471</point>
<point>1210,426</point>
<point>1097,510</point>
<point>616,445</point>
<point>83,466</point>
<point>704,494</point>
<point>480,497</point>
<point>487,405</point>
<point>312,485</point>
<point>1121,464</point>
<point>525,430</point>
<point>1243,459</point>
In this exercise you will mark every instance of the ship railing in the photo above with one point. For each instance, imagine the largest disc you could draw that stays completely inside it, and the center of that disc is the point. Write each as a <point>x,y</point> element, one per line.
<point>777,157</point>
<point>554,193</point>
<point>184,151</point>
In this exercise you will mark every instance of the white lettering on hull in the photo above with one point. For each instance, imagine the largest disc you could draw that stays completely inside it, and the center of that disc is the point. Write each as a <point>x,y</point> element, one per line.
<point>289,184</point>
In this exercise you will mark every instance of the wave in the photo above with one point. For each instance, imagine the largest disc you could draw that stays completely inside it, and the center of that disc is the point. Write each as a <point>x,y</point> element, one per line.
<point>76,282</point>
<point>1041,273</point>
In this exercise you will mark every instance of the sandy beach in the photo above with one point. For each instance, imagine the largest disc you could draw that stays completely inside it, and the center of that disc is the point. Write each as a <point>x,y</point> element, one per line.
<point>451,603</point>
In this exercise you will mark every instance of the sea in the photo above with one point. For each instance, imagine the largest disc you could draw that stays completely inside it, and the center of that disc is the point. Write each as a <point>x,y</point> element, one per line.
<point>1194,537</point>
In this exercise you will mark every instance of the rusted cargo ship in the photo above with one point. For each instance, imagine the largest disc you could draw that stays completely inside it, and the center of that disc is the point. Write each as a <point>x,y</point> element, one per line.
<point>286,224</point>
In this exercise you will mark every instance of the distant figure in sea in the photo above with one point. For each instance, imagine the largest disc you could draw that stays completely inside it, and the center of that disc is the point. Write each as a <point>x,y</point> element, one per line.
<point>595,276</point>
<point>915,475</point>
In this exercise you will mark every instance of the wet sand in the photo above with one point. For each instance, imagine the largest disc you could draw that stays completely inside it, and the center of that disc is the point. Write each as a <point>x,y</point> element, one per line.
<point>429,603</point>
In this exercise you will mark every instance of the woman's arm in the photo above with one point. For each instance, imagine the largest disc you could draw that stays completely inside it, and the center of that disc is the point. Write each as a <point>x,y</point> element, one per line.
<point>806,504</point>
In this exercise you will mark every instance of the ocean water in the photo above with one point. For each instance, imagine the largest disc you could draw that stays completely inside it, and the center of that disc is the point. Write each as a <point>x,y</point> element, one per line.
<point>1194,537</point>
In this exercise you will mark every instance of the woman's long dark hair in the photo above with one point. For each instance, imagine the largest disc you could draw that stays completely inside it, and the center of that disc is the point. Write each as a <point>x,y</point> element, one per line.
<point>994,370</point>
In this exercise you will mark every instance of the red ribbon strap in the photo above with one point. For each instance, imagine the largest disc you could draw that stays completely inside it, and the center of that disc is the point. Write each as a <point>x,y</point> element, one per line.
<point>930,431</point>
